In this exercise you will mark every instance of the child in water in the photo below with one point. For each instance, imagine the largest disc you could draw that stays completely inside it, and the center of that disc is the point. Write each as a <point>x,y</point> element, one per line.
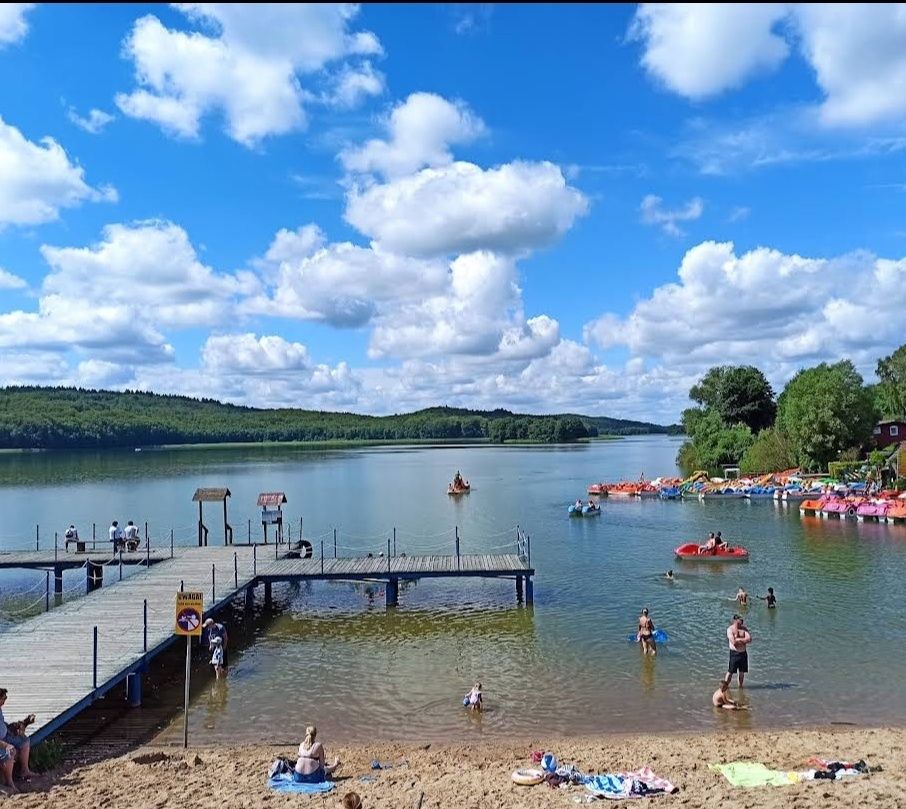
<point>472,700</point>
<point>217,657</point>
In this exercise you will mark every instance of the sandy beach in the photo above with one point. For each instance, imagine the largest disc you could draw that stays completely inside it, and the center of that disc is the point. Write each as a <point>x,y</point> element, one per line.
<point>477,775</point>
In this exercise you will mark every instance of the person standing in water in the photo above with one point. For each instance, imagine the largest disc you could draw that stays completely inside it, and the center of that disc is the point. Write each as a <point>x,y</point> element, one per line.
<point>739,639</point>
<point>646,633</point>
<point>770,598</point>
<point>742,598</point>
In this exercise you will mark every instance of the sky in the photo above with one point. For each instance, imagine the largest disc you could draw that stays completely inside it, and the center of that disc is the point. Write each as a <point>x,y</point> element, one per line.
<point>547,208</point>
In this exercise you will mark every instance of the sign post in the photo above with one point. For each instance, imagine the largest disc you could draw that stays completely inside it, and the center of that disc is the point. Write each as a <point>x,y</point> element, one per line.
<point>189,608</point>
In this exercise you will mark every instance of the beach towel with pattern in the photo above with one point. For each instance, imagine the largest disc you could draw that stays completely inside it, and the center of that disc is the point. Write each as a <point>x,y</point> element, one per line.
<point>641,783</point>
<point>754,774</point>
<point>284,783</point>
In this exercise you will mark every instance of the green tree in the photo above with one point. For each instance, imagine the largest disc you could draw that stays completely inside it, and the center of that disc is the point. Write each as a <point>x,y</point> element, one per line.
<point>771,451</point>
<point>740,394</point>
<point>891,390</point>
<point>714,444</point>
<point>825,410</point>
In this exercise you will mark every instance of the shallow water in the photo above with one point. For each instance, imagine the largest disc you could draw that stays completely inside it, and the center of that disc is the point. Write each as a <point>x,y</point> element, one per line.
<point>333,655</point>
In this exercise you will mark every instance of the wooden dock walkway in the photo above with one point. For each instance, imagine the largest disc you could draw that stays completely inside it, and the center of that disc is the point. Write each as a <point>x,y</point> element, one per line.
<point>56,664</point>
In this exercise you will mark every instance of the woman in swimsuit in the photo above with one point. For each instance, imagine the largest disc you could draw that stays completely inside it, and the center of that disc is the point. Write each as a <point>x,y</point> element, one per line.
<point>310,766</point>
<point>646,633</point>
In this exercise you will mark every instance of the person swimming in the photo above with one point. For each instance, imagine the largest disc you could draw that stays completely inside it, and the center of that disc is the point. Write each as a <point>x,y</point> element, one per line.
<point>669,575</point>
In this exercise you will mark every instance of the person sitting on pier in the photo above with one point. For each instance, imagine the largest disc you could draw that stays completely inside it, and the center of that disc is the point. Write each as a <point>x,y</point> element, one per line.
<point>310,766</point>
<point>116,536</point>
<point>131,536</point>
<point>72,536</point>
<point>15,742</point>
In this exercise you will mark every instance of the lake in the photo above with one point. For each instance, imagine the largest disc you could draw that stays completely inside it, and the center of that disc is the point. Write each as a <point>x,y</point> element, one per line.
<point>333,655</point>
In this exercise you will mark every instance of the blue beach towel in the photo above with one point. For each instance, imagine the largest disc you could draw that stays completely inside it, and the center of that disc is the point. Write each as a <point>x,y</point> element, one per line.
<point>284,783</point>
<point>606,786</point>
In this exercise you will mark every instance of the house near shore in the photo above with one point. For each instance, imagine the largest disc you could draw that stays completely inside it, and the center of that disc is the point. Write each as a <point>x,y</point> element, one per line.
<point>891,431</point>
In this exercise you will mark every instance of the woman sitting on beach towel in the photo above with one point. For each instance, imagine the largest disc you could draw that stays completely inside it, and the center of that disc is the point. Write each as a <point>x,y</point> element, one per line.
<point>310,766</point>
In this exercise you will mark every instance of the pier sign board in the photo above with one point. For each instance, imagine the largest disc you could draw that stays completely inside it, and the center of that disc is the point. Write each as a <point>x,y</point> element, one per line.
<point>189,609</point>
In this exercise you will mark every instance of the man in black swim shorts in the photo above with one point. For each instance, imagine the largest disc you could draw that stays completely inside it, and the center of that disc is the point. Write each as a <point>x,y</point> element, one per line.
<point>739,639</point>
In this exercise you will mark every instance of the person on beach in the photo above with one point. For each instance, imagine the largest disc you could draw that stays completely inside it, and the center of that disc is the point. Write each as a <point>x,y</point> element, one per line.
<point>721,698</point>
<point>310,766</point>
<point>15,743</point>
<point>742,598</point>
<point>472,700</point>
<point>217,631</point>
<point>770,598</point>
<point>646,633</point>
<point>739,639</point>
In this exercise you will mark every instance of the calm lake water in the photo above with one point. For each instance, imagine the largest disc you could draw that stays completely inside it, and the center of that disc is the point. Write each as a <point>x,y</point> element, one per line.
<point>331,654</point>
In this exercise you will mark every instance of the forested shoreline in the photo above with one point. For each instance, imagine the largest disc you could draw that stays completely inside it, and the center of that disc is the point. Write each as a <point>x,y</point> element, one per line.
<point>74,418</point>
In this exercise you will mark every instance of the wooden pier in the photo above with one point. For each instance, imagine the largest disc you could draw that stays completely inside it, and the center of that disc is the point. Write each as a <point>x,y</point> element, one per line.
<point>57,663</point>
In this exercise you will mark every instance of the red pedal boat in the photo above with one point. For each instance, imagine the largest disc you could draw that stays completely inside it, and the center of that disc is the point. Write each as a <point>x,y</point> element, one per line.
<point>692,550</point>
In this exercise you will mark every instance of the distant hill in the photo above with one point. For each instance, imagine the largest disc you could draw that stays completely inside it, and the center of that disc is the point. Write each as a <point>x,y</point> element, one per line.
<point>58,418</point>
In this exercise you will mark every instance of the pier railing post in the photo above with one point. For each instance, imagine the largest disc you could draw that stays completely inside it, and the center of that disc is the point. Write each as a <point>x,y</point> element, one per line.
<point>94,666</point>
<point>322,555</point>
<point>121,564</point>
<point>235,570</point>
<point>47,592</point>
<point>145,625</point>
<point>37,537</point>
<point>457,546</point>
<point>147,551</point>
<point>388,554</point>
<point>55,541</point>
<point>94,540</point>
<point>214,582</point>
<point>394,540</point>
<point>171,543</point>
<point>250,530</point>
<point>528,549</point>
<point>334,543</point>
<point>182,586</point>
<point>254,560</point>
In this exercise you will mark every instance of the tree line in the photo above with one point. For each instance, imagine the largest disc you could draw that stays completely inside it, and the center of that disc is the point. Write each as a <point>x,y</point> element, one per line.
<point>826,413</point>
<point>57,418</point>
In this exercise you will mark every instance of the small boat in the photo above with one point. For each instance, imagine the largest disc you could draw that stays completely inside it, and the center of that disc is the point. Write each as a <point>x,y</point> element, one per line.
<point>465,488</point>
<point>812,506</point>
<point>840,507</point>
<point>670,493</point>
<point>597,489</point>
<point>723,553</point>
<point>584,510</point>
<point>872,511</point>
<point>897,511</point>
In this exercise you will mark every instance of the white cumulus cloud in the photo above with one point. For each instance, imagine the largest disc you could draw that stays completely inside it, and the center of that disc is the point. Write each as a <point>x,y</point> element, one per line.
<point>461,208</point>
<point>245,64</point>
<point>38,179</point>
<point>420,132</point>
<point>13,26</point>
<point>701,49</point>
<point>10,281</point>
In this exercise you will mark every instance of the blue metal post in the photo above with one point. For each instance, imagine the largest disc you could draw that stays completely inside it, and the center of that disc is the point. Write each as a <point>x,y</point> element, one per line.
<point>47,592</point>
<point>529,591</point>
<point>235,570</point>
<point>95,659</point>
<point>134,689</point>
<point>145,623</point>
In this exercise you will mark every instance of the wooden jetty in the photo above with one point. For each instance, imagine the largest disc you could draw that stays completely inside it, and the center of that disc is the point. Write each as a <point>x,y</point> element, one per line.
<point>57,663</point>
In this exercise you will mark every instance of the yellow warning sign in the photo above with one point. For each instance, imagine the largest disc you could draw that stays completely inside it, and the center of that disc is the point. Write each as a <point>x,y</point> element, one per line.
<point>189,609</point>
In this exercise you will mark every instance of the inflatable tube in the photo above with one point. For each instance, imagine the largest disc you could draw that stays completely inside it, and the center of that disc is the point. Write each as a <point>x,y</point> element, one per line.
<point>659,637</point>
<point>528,777</point>
<point>305,549</point>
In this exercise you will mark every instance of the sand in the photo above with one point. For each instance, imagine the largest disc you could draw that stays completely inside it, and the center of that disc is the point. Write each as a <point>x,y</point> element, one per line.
<point>477,775</point>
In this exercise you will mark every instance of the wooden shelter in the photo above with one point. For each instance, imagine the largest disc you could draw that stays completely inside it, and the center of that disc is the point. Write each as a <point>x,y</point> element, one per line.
<point>212,495</point>
<point>272,513</point>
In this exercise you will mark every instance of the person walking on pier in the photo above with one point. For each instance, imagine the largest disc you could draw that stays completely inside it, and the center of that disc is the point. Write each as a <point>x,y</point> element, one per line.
<point>14,741</point>
<point>216,632</point>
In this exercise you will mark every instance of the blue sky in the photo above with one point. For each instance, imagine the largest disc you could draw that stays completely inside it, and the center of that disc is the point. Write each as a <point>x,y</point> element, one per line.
<point>387,207</point>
